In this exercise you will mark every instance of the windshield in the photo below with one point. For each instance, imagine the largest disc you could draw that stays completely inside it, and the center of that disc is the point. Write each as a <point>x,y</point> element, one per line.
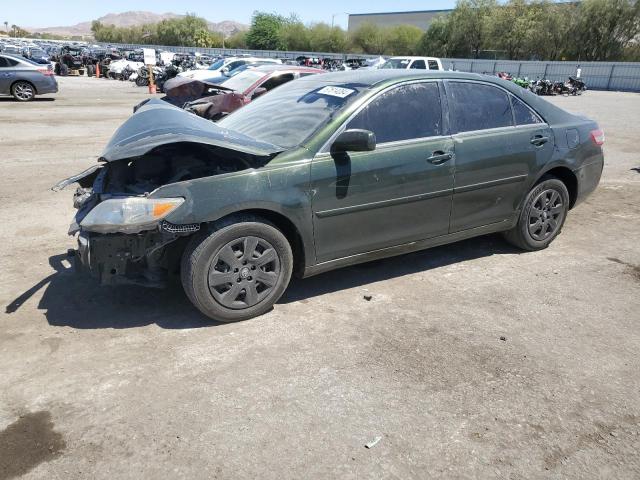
<point>396,63</point>
<point>302,107</point>
<point>243,80</point>
<point>217,65</point>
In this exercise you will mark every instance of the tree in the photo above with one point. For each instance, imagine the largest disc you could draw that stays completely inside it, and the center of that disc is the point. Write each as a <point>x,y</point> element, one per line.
<point>469,26</point>
<point>404,39</point>
<point>324,38</point>
<point>436,40</point>
<point>237,40</point>
<point>294,35</point>
<point>604,28</point>
<point>370,38</point>
<point>264,33</point>
<point>548,41</point>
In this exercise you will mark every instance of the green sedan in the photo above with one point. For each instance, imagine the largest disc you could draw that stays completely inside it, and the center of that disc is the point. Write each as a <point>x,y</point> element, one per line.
<point>323,172</point>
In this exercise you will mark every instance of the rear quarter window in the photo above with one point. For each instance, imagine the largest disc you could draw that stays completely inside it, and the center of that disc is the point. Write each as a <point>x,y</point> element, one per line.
<point>523,114</point>
<point>476,106</point>
<point>433,65</point>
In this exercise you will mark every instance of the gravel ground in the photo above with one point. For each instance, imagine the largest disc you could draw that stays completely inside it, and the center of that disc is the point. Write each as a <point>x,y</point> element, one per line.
<point>471,360</point>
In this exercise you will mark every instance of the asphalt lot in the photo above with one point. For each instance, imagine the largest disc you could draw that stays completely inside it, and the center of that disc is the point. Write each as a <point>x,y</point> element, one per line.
<point>471,360</point>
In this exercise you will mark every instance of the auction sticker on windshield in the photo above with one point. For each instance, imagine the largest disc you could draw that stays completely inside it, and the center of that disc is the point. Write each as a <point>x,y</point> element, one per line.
<point>340,92</point>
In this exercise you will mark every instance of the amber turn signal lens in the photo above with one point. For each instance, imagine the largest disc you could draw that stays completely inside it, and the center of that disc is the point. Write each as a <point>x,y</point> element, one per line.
<point>161,209</point>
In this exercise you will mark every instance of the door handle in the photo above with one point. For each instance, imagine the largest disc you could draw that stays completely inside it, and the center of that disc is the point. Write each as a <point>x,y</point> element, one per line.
<point>539,140</point>
<point>438,157</point>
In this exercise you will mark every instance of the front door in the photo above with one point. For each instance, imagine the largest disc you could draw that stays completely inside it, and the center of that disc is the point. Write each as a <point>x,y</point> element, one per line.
<point>398,193</point>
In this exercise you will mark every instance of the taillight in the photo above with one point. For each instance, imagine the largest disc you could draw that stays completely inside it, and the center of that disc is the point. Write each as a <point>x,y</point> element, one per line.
<point>46,71</point>
<point>597,136</point>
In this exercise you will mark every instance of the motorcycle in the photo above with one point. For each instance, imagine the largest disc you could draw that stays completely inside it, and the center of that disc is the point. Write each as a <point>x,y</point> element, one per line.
<point>576,86</point>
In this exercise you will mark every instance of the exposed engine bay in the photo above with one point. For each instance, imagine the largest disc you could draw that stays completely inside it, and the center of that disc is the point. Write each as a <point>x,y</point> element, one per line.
<point>172,163</point>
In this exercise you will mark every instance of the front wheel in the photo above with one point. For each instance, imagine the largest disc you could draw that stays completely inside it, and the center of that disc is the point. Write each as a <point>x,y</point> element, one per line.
<point>542,216</point>
<point>237,272</point>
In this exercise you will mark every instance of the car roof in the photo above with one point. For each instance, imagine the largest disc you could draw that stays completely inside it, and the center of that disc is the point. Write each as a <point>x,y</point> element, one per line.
<point>375,77</point>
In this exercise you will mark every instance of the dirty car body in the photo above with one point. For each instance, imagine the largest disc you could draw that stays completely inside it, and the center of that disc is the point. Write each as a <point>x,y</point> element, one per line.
<point>327,171</point>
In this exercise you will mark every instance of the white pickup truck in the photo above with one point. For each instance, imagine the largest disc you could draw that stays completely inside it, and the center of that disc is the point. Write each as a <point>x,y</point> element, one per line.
<point>422,63</point>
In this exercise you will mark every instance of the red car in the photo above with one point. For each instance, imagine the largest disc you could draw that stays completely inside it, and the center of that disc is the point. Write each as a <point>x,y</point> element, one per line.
<point>242,88</point>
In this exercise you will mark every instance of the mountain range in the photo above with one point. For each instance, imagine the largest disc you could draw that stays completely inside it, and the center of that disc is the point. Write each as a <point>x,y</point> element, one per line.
<point>129,19</point>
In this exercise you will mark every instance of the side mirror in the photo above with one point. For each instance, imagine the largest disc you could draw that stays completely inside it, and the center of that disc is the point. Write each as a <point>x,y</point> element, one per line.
<point>257,92</point>
<point>354,140</point>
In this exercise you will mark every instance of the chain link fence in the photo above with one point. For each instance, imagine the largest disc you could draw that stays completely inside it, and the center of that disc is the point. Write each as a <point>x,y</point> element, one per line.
<point>623,76</point>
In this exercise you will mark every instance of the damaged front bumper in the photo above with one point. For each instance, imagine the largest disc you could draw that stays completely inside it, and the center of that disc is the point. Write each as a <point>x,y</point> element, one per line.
<point>146,258</point>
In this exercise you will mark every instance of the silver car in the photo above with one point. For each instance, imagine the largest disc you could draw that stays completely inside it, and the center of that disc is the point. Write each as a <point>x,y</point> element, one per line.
<point>25,79</point>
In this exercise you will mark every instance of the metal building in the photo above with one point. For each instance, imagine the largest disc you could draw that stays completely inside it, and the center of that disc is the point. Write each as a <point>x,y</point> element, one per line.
<point>420,18</point>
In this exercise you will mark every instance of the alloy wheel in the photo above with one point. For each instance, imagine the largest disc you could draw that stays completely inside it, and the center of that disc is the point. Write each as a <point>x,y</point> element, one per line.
<point>546,214</point>
<point>23,91</point>
<point>244,272</point>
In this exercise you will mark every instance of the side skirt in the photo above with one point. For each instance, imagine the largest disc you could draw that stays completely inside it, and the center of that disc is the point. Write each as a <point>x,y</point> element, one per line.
<point>408,247</point>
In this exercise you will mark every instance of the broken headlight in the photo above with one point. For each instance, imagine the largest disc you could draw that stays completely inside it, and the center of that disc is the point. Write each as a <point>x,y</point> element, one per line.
<point>129,215</point>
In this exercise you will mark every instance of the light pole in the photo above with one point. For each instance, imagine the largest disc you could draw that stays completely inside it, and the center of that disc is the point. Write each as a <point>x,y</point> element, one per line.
<point>334,15</point>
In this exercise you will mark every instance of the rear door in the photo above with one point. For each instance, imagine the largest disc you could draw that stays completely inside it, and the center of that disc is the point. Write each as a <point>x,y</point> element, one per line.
<point>494,155</point>
<point>398,193</point>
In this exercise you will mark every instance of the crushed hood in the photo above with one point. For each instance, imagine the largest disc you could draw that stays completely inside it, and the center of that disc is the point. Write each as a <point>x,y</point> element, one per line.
<point>159,123</point>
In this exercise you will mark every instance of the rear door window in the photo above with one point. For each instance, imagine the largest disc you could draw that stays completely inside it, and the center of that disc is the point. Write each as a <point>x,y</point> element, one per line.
<point>419,64</point>
<point>3,62</point>
<point>523,114</point>
<point>433,65</point>
<point>478,107</point>
<point>403,113</point>
<point>11,62</point>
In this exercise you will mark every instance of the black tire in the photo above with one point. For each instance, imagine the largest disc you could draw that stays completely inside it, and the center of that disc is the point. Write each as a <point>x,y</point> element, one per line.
<point>198,265</point>
<point>56,69</point>
<point>91,71</point>
<point>64,70</point>
<point>539,234</point>
<point>23,91</point>
<point>142,82</point>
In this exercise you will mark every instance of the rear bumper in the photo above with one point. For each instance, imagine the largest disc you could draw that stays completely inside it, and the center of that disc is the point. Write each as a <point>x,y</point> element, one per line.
<point>588,178</point>
<point>48,84</point>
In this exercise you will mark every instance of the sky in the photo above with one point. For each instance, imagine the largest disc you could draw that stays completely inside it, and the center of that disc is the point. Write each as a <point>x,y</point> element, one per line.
<point>52,13</point>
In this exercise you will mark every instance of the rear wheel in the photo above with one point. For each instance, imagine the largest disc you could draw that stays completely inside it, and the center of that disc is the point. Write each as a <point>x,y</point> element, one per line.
<point>90,71</point>
<point>23,91</point>
<point>64,70</point>
<point>237,272</point>
<point>542,216</point>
